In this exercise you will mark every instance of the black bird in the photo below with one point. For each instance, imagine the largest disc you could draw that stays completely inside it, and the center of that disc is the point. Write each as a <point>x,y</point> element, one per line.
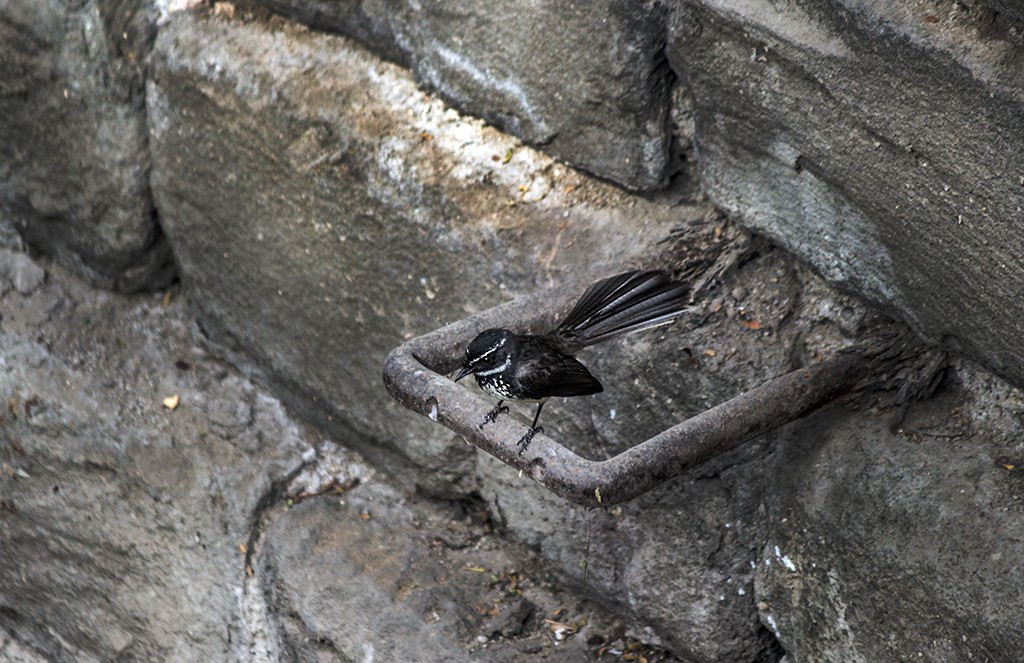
<point>535,368</point>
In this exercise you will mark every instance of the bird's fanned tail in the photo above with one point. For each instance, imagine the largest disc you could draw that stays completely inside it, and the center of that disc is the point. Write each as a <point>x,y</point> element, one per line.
<point>623,304</point>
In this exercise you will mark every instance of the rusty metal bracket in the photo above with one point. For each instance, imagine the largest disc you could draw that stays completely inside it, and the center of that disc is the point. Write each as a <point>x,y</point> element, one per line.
<point>414,374</point>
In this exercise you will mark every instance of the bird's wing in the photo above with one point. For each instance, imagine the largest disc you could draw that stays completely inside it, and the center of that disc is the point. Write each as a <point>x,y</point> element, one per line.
<point>557,375</point>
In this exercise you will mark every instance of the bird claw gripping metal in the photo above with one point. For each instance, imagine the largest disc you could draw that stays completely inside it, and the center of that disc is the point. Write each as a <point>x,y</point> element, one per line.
<point>492,416</point>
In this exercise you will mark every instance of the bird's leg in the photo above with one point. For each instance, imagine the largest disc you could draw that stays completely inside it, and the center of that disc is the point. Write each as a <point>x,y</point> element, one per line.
<point>493,414</point>
<point>525,440</point>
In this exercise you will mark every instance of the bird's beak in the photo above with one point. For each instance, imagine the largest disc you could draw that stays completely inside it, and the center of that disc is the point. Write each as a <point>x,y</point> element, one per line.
<point>463,373</point>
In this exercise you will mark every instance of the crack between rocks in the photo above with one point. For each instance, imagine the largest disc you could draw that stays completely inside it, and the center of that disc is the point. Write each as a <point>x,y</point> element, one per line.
<point>266,504</point>
<point>262,641</point>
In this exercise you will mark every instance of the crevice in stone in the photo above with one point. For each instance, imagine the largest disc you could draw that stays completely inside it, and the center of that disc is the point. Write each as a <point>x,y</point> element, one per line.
<point>772,651</point>
<point>262,641</point>
<point>266,503</point>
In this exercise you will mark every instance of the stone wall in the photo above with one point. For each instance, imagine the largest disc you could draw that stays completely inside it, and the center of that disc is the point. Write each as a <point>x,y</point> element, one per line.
<point>880,141</point>
<point>329,189</point>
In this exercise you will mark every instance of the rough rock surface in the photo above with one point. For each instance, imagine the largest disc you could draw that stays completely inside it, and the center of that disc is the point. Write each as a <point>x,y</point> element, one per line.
<point>398,215</point>
<point>443,584</point>
<point>134,531</point>
<point>353,212</point>
<point>120,519</point>
<point>910,541</point>
<point>587,81</point>
<point>1008,8</point>
<point>74,166</point>
<point>879,140</point>
<point>379,225</point>
<point>323,210</point>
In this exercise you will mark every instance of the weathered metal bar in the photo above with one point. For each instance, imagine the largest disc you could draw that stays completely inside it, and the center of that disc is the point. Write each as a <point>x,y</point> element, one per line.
<point>414,375</point>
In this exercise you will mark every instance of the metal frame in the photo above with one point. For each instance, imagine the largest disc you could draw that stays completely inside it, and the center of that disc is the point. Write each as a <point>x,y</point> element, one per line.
<point>414,374</point>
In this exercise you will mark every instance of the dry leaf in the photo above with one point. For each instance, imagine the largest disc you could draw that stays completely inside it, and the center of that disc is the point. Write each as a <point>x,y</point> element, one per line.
<point>224,9</point>
<point>750,324</point>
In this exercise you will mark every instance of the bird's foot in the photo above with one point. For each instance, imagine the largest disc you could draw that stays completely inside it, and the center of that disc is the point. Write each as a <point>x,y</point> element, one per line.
<point>492,416</point>
<point>525,440</point>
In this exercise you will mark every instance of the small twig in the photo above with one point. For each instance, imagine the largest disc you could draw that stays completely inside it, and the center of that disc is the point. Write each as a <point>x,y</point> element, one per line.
<point>333,487</point>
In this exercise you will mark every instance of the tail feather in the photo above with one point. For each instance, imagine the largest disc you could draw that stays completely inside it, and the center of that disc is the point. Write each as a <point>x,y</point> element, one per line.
<point>596,297</point>
<point>609,296</point>
<point>624,304</point>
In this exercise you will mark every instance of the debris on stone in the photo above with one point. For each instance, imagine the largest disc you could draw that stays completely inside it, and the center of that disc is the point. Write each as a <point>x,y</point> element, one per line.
<point>510,618</point>
<point>21,270</point>
<point>224,9</point>
<point>171,402</point>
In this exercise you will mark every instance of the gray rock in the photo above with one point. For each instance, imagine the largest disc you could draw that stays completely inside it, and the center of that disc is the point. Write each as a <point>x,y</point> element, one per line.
<point>1008,8</point>
<point>348,227</point>
<point>13,651</point>
<point>131,530</point>
<point>586,81</point>
<point>900,546</point>
<point>324,210</point>
<point>73,158</point>
<point>29,353</point>
<point>21,271</point>
<point>878,140</point>
<point>365,214</point>
<point>121,520</point>
<point>369,573</point>
<point>511,618</point>
<point>379,594</point>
